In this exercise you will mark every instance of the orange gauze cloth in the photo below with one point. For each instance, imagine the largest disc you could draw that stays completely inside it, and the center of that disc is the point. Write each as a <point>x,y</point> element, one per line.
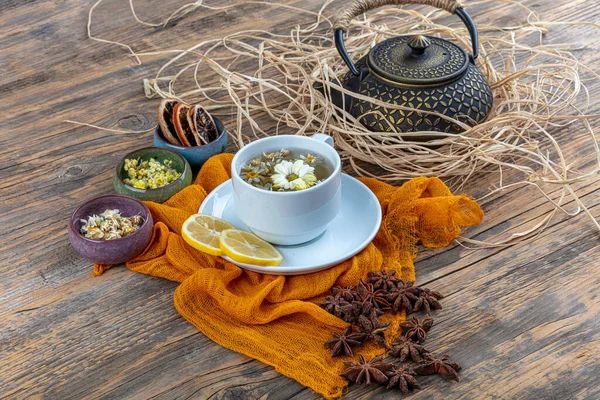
<point>277,319</point>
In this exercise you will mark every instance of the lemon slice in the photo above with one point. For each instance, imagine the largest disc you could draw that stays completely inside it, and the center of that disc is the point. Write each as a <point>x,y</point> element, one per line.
<point>246,247</point>
<point>202,232</point>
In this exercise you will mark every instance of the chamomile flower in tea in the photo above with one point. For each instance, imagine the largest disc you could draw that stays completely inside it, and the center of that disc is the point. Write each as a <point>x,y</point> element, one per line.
<point>296,175</point>
<point>272,157</point>
<point>109,225</point>
<point>286,170</point>
<point>311,159</point>
<point>254,174</point>
<point>284,153</point>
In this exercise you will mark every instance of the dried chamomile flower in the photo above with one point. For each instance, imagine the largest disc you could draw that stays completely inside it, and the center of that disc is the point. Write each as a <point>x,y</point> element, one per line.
<point>266,186</point>
<point>109,225</point>
<point>253,175</point>
<point>150,174</point>
<point>311,159</point>
<point>293,176</point>
<point>136,220</point>
<point>271,157</point>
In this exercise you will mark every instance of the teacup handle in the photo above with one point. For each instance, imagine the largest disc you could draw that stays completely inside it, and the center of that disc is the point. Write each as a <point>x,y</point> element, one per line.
<point>361,6</point>
<point>323,138</point>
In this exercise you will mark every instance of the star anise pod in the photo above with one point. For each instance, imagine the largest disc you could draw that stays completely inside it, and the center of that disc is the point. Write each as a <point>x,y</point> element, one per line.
<point>403,377</point>
<point>428,300</point>
<point>363,307</point>
<point>443,366</point>
<point>346,293</point>
<point>384,280</point>
<point>368,295</point>
<point>374,314</point>
<point>405,349</point>
<point>334,304</point>
<point>415,329</point>
<point>342,344</point>
<point>403,296</point>
<point>373,328</point>
<point>366,371</point>
<point>351,311</point>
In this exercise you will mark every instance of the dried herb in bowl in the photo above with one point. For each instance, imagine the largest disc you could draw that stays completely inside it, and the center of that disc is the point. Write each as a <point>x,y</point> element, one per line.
<point>149,174</point>
<point>110,225</point>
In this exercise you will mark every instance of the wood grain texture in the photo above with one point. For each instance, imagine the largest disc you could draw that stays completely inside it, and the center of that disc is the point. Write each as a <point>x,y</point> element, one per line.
<point>522,320</point>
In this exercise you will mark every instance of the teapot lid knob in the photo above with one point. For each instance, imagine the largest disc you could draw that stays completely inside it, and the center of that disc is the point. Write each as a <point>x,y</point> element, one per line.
<point>418,44</point>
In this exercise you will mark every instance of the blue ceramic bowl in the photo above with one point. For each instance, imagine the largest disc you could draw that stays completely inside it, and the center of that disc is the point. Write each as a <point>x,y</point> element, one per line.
<point>160,194</point>
<point>117,251</point>
<point>195,155</point>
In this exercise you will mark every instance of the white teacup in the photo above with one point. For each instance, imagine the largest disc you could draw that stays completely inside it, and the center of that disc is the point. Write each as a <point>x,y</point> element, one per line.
<point>288,218</point>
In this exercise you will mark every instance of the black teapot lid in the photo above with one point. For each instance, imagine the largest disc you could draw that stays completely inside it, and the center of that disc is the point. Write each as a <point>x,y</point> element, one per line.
<point>418,60</point>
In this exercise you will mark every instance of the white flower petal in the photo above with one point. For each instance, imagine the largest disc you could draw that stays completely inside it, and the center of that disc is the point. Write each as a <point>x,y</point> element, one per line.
<point>297,166</point>
<point>309,178</point>
<point>289,167</point>
<point>280,169</point>
<point>299,184</point>
<point>279,180</point>
<point>288,185</point>
<point>302,170</point>
<point>284,168</point>
<point>306,169</point>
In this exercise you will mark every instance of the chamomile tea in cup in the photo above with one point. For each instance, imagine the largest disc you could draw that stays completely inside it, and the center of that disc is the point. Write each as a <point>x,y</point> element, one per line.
<point>287,188</point>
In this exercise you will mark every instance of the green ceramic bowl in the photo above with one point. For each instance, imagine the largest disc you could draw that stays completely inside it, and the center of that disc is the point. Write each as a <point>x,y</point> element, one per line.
<point>161,194</point>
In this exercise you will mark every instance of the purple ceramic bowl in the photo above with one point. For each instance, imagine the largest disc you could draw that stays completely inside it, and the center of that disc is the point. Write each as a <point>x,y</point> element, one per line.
<point>117,251</point>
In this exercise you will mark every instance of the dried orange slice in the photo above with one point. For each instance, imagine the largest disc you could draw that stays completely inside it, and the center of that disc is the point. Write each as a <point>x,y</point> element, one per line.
<point>246,247</point>
<point>191,118</point>
<point>165,120</point>
<point>182,128</point>
<point>203,231</point>
<point>204,124</point>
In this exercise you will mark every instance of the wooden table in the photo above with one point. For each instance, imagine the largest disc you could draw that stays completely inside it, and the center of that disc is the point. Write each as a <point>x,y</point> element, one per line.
<point>522,320</point>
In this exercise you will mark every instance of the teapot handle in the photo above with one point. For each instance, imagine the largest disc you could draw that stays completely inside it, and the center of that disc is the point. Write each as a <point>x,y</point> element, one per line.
<point>361,6</point>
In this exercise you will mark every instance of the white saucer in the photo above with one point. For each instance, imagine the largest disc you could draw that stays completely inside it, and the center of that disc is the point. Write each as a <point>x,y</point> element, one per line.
<point>351,230</point>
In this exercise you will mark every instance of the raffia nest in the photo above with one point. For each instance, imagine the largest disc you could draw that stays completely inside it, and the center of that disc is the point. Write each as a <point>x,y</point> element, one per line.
<point>264,82</point>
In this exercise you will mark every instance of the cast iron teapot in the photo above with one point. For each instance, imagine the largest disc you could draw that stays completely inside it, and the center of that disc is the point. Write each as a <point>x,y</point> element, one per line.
<point>421,72</point>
